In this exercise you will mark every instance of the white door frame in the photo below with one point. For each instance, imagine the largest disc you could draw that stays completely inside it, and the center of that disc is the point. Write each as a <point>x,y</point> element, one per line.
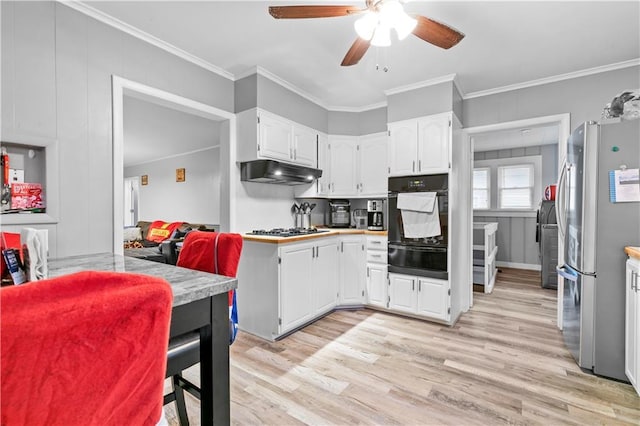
<point>564,131</point>
<point>121,87</point>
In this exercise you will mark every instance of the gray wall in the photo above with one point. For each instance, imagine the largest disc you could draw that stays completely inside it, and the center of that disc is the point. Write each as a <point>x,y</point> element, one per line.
<point>358,123</point>
<point>516,235</point>
<point>583,97</point>
<point>56,78</point>
<point>420,102</point>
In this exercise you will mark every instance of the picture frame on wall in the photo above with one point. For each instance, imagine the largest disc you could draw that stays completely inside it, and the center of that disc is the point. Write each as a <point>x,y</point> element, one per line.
<point>144,180</point>
<point>180,175</point>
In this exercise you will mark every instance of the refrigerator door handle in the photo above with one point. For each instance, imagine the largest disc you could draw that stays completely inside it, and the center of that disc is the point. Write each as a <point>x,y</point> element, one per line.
<point>561,202</point>
<point>567,273</point>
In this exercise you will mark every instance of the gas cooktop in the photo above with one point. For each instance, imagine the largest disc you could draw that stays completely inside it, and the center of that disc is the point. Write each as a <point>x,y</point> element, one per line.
<point>288,232</point>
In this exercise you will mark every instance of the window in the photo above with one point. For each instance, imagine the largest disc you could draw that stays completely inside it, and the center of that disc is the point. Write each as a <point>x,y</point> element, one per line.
<point>515,186</point>
<point>481,200</point>
<point>507,187</point>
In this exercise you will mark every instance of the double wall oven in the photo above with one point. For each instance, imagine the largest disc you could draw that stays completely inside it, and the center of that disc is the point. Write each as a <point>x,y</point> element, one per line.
<point>428,256</point>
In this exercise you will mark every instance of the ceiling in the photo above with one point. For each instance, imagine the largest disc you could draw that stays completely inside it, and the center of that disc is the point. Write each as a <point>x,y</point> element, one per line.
<point>506,43</point>
<point>154,132</point>
<point>516,138</point>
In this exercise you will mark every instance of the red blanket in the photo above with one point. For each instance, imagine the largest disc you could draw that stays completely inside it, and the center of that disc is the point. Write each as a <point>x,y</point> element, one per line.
<point>84,349</point>
<point>197,252</point>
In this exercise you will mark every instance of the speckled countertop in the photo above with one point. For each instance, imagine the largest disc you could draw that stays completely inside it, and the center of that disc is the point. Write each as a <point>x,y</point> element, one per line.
<point>633,251</point>
<point>324,232</point>
<point>187,284</point>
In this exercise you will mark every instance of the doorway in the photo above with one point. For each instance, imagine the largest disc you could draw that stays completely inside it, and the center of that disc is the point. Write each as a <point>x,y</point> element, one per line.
<point>122,87</point>
<point>130,193</point>
<point>559,123</point>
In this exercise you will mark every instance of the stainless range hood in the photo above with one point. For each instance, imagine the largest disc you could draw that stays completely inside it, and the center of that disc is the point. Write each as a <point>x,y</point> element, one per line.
<point>270,171</point>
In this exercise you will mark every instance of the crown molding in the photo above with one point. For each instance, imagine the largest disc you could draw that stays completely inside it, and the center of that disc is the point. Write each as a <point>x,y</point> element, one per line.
<point>554,79</point>
<point>144,36</point>
<point>358,109</point>
<point>421,84</point>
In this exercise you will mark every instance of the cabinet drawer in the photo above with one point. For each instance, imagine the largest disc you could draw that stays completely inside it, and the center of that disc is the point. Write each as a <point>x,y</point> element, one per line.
<point>377,243</point>
<point>377,256</point>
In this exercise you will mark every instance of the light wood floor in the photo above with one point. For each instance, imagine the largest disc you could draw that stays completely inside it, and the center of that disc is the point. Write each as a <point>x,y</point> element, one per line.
<point>502,363</point>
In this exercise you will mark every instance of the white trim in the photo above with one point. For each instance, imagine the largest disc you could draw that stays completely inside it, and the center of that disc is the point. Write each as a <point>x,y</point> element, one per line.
<point>167,157</point>
<point>553,79</point>
<point>421,84</point>
<point>528,266</point>
<point>100,16</point>
<point>282,82</point>
<point>122,87</point>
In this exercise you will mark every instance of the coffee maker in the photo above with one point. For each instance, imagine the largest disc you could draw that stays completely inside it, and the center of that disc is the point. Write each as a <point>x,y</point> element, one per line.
<point>374,215</point>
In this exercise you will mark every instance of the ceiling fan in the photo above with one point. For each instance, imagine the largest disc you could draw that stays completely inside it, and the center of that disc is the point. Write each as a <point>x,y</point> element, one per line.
<point>373,29</point>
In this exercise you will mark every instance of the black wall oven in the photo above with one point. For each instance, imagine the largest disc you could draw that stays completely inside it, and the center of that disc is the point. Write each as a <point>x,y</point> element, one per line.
<point>425,257</point>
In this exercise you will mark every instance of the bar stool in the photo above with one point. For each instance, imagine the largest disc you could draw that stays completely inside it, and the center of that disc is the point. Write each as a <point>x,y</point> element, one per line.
<point>214,252</point>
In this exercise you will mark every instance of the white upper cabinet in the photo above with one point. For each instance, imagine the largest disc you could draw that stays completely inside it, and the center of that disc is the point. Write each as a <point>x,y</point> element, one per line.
<point>403,147</point>
<point>264,135</point>
<point>275,137</point>
<point>343,156</point>
<point>357,166</point>
<point>434,134</point>
<point>304,145</point>
<point>420,146</point>
<point>372,165</point>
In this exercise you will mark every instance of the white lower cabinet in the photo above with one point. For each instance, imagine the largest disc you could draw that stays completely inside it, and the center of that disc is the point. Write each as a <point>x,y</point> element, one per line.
<point>427,297</point>
<point>632,324</point>
<point>308,281</point>
<point>376,288</point>
<point>351,265</point>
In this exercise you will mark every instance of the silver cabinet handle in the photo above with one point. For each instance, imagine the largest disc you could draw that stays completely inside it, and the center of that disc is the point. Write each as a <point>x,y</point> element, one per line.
<point>376,242</point>
<point>342,246</point>
<point>367,271</point>
<point>317,252</point>
<point>413,166</point>
<point>419,165</point>
<point>295,154</point>
<point>413,285</point>
<point>376,255</point>
<point>419,286</point>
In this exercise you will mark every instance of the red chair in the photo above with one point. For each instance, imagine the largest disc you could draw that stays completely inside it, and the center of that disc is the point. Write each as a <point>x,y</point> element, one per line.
<point>84,349</point>
<point>214,252</point>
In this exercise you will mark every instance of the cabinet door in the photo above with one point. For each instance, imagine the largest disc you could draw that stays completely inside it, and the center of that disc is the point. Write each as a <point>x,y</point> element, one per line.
<point>296,296</point>
<point>352,270</point>
<point>275,137</point>
<point>632,325</point>
<point>304,146</point>
<point>402,292</point>
<point>372,161</point>
<point>343,166</point>
<point>377,285</point>
<point>325,276</point>
<point>434,134</point>
<point>403,148</point>
<point>324,164</point>
<point>433,298</point>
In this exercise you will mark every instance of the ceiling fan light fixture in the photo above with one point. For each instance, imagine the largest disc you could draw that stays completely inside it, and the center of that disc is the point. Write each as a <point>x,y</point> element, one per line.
<point>405,26</point>
<point>381,36</point>
<point>366,25</point>
<point>392,15</point>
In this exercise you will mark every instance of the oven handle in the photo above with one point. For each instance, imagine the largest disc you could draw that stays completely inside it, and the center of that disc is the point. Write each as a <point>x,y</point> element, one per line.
<point>417,248</point>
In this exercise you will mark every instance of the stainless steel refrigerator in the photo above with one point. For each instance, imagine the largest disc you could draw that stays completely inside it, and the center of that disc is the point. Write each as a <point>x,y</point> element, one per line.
<point>596,230</point>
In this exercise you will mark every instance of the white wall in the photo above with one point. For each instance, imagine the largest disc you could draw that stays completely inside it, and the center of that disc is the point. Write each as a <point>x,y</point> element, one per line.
<point>196,200</point>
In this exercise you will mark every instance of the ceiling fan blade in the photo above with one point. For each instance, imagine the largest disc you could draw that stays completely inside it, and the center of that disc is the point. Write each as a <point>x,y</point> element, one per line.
<point>436,33</point>
<point>300,12</point>
<point>356,52</point>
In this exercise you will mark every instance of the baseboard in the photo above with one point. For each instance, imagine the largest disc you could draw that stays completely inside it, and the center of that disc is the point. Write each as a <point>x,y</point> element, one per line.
<point>528,266</point>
